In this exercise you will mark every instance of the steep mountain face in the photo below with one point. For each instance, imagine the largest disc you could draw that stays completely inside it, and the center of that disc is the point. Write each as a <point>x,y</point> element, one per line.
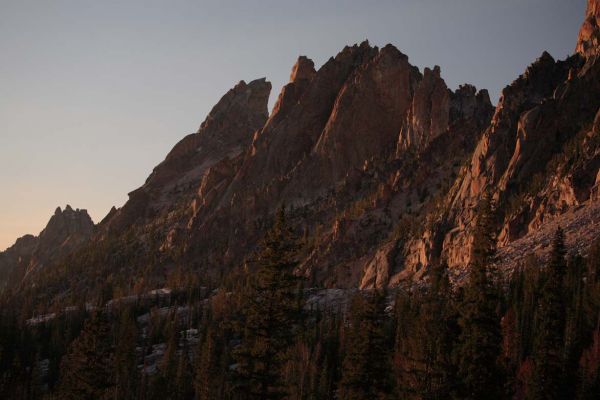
<point>323,127</point>
<point>224,135</point>
<point>379,165</point>
<point>66,231</point>
<point>332,147</point>
<point>538,159</point>
<point>499,157</point>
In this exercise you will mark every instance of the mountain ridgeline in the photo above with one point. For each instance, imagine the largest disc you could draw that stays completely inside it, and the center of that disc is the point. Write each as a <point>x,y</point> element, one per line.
<point>379,165</point>
<point>376,236</point>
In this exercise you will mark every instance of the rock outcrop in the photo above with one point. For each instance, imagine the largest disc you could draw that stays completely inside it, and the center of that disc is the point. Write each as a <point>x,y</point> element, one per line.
<point>435,108</point>
<point>588,43</point>
<point>225,134</point>
<point>429,114</point>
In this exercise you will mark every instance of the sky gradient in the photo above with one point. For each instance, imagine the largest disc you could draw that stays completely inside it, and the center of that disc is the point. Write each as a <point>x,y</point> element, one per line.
<point>93,94</point>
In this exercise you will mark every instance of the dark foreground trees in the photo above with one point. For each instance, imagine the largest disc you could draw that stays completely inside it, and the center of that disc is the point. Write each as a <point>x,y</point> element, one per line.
<point>548,347</point>
<point>536,336</point>
<point>271,312</point>
<point>480,338</point>
<point>86,371</point>
<point>426,334</point>
<point>367,372</point>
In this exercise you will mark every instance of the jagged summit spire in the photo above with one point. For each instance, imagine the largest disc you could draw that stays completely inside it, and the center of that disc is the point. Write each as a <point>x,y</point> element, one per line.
<point>304,69</point>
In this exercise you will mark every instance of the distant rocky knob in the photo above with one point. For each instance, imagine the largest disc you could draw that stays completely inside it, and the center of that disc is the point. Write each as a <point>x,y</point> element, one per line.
<point>66,223</point>
<point>66,231</point>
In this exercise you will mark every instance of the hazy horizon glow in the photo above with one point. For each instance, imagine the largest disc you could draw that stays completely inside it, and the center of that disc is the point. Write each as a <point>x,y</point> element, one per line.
<point>94,94</point>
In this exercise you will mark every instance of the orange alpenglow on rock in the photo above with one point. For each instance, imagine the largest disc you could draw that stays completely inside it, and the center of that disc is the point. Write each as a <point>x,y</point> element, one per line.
<point>589,34</point>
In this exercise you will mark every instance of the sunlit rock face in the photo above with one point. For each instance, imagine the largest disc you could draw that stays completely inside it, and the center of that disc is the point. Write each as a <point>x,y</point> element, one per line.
<point>588,43</point>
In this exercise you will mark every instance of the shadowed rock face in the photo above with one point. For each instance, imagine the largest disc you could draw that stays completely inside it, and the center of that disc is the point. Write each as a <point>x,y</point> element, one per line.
<point>66,231</point>
<point>225,134</point>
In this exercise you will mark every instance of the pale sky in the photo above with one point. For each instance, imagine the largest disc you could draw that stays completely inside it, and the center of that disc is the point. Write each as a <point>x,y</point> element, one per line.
<point>93,94</point>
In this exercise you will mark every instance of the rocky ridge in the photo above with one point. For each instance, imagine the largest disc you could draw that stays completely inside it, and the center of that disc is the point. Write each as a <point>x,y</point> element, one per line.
<point>380,166</point>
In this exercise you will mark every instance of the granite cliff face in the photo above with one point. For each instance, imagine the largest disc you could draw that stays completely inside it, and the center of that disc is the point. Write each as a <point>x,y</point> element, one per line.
<point>330,148</point>
<point>538,159</point>
<point>379,165</point>
<point>589,35</point>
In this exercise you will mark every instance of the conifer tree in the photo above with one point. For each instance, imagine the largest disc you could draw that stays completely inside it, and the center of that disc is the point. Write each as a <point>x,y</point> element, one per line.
<point>439,332</point>
<point>36,384</point>
<point>271,312</point>
<point>208,383</point>
<point>517,325</point>
<point>426,334</point>
<point>510,360</point>
<point>524,300</point>
<point>480,337</point>
<point>164,384</point>
<point>589,370</point>
<point>183,377</point>
<point>331,358</point>
<point>126,374</point>
<point>550,328</point>
<point>366,371</point>
<point>407,366</point>
<point>576,331</point>
<point>87,369</point>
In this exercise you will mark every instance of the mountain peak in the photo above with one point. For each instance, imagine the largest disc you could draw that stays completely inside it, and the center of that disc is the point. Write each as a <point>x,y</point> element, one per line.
<point>304,69</point>
<point>68,221</point>
<point>244,98</point>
